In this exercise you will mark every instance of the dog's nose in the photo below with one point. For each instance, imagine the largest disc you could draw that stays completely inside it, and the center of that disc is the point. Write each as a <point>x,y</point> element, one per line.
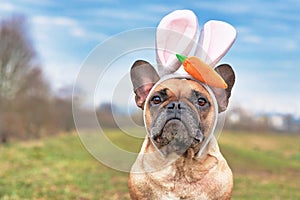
<point>174,109</point>
<point>175,105</point>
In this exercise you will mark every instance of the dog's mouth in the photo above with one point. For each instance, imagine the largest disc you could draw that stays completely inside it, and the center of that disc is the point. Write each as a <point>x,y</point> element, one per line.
<point>169,131</point>
<point>176,137</point>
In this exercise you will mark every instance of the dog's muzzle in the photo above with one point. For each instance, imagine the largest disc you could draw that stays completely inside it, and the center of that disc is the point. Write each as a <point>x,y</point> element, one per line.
<point>176,129</point>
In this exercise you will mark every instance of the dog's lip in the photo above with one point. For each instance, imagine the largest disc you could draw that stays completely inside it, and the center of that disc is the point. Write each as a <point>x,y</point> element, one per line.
<point>195,139</point>
<point>168,120</point>
<point>173,118</point>
<point>157,137</point>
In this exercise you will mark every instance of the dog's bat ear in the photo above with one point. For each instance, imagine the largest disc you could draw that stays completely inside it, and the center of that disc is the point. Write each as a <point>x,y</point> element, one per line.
<point>143,77</point>
<point>222,95</point>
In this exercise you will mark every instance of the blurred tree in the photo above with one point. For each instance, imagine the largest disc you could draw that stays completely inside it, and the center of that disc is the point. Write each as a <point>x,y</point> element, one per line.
<point>105,115</point>
<point>23,91</point>
<point>32,102</point>
<point>63,109</point>
<point>17,56</point>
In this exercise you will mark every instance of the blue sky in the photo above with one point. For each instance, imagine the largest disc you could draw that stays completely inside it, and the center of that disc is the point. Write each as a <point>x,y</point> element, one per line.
<point>265,55</point>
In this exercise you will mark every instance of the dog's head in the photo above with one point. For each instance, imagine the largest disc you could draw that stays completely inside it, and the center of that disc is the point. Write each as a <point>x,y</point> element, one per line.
<point>179,112</point>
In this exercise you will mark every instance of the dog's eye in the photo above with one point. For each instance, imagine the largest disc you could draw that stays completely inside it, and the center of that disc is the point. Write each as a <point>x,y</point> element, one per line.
<point>156,100</point>
<point>202,101</point>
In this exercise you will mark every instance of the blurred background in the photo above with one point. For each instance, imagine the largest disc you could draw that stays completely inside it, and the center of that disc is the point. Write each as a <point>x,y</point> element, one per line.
<point>43,45</point>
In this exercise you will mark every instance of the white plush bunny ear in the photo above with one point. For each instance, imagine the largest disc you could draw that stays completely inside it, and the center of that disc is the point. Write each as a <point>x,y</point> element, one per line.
<point>176,33</point>
<point>216,38</point>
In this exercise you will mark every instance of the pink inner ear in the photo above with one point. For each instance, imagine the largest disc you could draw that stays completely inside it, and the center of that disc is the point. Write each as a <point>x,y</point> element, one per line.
<point>179,26</point>
<point>176,33</point>
<point>217,38</point>
<point>142,93</point>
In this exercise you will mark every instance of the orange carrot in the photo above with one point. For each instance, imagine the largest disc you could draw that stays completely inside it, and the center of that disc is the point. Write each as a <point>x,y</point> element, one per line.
<point>201,71</point>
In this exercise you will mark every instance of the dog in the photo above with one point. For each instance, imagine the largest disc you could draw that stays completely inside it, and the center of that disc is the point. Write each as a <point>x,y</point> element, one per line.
<point>179,115</point>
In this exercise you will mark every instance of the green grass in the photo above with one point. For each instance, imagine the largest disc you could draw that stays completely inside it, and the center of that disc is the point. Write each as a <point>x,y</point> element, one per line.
<point>57,168</point>
<point>265,167</point>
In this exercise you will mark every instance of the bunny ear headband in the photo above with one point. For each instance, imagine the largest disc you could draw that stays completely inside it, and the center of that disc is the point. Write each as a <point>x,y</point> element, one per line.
<point>177,33</point>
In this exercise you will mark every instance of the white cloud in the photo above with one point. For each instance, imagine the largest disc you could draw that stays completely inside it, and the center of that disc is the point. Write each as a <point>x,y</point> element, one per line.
<point>69,25</point>
<point>61,74</point>
<point>60,62</point>
<point>290,45</point>
<point>54,20</point>
<point>256,40</point>
<point>281,44</point>
<point>64,21</point>
<point>229,8</point>
<point>78,32</point>
<point>266,102</point>
<point>59,65</point>
<point>100,1</point>
<point>159,8</point>
<point>266,86</point>
<point>252,39</point>
<point>40,3</point>
<point>7,7</point>
<point>121,14</point>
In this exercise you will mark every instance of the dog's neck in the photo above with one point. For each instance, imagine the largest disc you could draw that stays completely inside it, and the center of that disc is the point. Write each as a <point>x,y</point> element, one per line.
<point>153,159</point>
<point>191,168</point>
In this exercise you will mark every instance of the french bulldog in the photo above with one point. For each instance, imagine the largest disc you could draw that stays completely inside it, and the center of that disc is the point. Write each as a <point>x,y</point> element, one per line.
<point>179,115</point>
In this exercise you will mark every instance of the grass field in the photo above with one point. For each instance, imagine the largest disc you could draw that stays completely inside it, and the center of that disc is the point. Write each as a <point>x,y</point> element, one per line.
<point>265,167</point>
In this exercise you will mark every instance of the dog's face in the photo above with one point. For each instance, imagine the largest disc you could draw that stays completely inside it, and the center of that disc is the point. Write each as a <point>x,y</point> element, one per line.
<point>179,113</point>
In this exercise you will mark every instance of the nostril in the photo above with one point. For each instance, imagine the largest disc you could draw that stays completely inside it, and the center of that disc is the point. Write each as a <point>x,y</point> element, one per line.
<point>179,106</point>
<point>171,106</point>
<point>175,105</point>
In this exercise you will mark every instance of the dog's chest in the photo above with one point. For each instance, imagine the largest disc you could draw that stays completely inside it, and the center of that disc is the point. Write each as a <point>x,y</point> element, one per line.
<point>182,180</point>
<point>185,190</point>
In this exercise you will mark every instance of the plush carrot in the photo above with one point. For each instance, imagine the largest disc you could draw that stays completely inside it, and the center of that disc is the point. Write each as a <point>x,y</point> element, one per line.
<point>201,71</point>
